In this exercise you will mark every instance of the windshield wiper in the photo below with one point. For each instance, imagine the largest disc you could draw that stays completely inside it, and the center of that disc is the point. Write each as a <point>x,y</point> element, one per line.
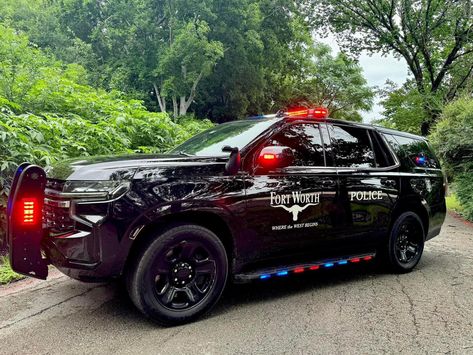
<point>185,154</point>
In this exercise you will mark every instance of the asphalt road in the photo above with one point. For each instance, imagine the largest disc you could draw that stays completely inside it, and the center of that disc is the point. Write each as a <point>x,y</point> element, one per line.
<point>355,309</point>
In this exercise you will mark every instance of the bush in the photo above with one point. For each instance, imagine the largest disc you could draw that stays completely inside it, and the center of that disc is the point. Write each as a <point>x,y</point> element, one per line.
<point>45,138</point>
<point>452,140</point>
<point>7,275</point>
<point>464,191</point>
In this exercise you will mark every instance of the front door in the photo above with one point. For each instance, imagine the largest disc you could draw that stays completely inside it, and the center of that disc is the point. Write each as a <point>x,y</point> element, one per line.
<point>292,211</point>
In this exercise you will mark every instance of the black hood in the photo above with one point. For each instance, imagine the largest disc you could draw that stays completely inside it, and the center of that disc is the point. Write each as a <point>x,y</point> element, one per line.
<point>119,167</point>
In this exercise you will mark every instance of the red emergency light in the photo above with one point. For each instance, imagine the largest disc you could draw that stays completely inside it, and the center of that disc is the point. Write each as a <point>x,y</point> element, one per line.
<point>317,113</point>
<point>29,211</point>
<point>268,156</point>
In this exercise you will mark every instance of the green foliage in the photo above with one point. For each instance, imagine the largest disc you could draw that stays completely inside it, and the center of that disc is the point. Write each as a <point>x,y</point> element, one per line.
<point>453,204</point>
<point>20,64</point>
<point>403,108</point>
<point>222,60</point>
<point>7,275</point>
<point>464,191</point>
<point>452,139</point>
<point>452,136</point>
<point>190,56</point>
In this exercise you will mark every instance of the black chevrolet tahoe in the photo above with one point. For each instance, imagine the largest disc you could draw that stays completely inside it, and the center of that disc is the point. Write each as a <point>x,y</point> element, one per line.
<point>254,199</point>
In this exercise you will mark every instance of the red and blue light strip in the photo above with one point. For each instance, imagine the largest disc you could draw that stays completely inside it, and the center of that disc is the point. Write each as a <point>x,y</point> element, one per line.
<point>303,268</point>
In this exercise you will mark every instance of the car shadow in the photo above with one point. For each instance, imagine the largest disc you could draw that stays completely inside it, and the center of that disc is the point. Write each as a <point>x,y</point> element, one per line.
<point>262,290</point>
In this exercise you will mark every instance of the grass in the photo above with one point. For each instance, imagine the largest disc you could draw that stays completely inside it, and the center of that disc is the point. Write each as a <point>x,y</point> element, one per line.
<point>453,204</point>
<point>7,275</point>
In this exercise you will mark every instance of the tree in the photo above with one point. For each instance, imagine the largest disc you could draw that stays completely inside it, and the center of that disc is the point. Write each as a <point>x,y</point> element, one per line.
<point>123,43</point>
<point>333,82</point>
<point>403,107</point>
<point>435,38</point>
<point>180,68</point>
<point>451,137</point>
<point>20,64</point>
<point>264,41</point>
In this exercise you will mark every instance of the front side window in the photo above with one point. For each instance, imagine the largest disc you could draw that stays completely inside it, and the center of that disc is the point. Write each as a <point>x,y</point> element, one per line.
<point>351,147</point>
<point>305,142</point>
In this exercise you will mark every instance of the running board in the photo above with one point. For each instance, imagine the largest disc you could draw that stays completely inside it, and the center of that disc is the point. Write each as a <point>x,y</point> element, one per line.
<point>264,274</point>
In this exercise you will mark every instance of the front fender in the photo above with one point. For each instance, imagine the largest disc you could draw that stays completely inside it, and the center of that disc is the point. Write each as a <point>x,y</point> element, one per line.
<point>171,212</point>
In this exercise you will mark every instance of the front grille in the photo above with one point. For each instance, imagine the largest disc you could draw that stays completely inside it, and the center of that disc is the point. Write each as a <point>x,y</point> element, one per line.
<point>56,216</point>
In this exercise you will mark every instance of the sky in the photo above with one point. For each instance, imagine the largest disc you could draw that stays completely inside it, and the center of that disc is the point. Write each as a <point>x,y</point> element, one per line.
<point>376,69</point>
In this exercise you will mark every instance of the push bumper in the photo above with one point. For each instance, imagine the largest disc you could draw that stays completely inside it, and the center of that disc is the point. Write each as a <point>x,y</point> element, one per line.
<point>87,253</point>
<point>24,221</point>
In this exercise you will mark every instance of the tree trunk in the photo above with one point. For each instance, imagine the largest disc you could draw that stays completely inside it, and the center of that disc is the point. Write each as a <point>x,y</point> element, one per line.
<point>185,103</point>
<point>175,111</point>
<point>183,106</point>
<point>161,100</point>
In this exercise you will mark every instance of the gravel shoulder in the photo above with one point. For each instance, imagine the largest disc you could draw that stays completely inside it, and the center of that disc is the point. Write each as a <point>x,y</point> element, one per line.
<point>352,309</point>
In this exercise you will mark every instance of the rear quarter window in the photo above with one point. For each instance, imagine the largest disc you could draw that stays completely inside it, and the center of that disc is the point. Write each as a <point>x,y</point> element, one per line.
<point>413,152</point>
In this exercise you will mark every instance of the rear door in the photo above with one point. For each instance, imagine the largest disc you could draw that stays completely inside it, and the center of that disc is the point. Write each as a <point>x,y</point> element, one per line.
<point>368,181</point>
<point>290,211</point>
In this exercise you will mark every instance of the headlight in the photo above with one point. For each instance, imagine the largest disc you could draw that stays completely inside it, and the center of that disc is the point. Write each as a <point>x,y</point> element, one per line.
<point>103,190</point>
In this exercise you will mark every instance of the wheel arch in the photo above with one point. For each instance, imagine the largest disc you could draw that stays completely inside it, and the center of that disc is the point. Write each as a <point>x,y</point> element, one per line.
<point>412,204</point>
<point>210,220</point>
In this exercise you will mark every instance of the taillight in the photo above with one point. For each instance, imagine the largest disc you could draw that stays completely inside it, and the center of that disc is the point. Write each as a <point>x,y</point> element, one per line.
<point>29,211</point>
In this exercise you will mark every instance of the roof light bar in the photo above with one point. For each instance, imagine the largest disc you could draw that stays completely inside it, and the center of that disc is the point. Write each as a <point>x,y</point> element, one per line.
<point>318,112</point>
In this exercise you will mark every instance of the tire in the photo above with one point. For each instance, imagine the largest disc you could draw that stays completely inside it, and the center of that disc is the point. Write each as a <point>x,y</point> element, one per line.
<point>179,275</point>
<point>406,243</point>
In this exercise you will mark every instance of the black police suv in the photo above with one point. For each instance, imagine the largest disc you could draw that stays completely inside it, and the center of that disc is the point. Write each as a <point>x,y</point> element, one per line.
<point>253,199</point>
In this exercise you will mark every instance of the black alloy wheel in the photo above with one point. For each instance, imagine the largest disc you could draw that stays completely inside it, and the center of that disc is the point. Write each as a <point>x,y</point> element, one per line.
<point>185,273</point>
<point>180,275</point>
<point>406,242</point>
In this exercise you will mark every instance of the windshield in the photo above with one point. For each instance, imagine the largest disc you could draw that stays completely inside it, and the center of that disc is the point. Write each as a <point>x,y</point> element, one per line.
<point>234,134</point>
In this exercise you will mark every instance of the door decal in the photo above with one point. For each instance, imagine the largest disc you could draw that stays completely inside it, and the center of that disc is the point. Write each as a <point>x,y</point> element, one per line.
<point>297,202</point>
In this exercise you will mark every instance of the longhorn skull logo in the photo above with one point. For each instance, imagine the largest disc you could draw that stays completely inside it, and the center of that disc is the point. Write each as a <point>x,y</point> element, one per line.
<point>295,209</point>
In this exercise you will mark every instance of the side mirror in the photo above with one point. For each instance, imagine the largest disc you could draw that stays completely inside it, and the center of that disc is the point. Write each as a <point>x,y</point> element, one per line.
<point>234,161</point>
<point>275,157</point>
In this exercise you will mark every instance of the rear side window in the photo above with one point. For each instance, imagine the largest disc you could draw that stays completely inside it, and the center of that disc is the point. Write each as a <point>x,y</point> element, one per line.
<point>382,155</point>
<point>351,147</point>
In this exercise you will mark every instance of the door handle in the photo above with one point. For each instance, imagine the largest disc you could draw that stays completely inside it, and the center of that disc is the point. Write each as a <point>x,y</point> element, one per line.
<point>388,182</point>
<point>327,183</point>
